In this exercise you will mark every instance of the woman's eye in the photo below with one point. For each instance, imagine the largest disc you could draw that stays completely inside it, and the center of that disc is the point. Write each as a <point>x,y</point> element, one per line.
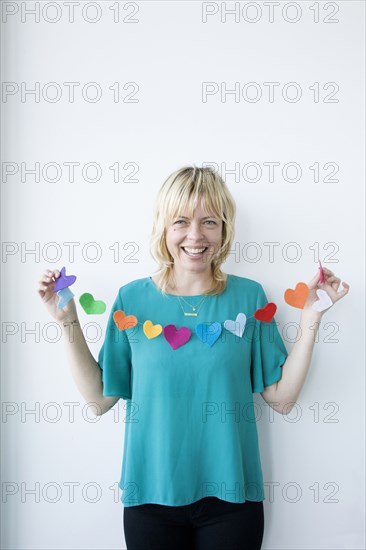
<point>209,222</point>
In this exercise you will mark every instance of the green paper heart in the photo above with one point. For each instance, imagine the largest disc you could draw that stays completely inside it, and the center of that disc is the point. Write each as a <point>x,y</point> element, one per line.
<point>90,305</point>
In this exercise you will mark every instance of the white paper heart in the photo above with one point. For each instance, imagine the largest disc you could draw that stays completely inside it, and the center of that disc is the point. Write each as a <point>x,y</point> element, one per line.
<point>324,301</point>
<point>236,327</point>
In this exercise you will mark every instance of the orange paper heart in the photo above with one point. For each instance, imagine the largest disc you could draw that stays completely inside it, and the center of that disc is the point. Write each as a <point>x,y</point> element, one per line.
<point>122,321</point>
<point>150,330</point>
<point>297,297</point>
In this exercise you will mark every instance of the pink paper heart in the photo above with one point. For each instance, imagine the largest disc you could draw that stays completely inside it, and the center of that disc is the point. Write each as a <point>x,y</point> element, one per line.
<point>176,337</point>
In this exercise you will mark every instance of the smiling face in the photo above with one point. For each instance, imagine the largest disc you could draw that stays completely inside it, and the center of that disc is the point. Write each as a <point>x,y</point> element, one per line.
<point>186,237</point>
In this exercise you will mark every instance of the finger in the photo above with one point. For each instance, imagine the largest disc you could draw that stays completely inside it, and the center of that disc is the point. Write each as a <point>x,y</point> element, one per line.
<point>51,274</point>
<point>314,281</point>
<point>328,271</point>
<point>334,281</point>
<point>45,279</point>
<point>335,296</point>
<point>47,273</point>
<point>336,284</point>
<point>346,287</point>
<point>43,287</point>
<point>331,280</point>
<point>340,295</point>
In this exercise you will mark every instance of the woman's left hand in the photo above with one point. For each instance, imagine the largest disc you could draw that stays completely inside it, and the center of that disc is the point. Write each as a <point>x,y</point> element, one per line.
<point>330,286</point>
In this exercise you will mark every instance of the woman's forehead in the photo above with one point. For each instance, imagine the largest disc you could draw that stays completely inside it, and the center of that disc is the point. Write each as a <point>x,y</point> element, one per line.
<point>200,209</point>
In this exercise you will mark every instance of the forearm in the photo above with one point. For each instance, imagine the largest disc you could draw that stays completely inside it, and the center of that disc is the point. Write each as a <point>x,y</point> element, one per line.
<point>298,362</point>
<point>84,368</point>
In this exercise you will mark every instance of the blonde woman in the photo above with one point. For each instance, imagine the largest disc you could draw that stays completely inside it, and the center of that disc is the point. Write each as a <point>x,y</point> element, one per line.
<point>188,366</point>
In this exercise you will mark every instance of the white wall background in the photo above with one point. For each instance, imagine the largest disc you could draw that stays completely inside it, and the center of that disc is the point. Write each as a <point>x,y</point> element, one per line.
<point>314,458</point>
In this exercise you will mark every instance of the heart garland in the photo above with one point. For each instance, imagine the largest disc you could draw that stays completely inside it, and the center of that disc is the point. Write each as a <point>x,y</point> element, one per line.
<point>208,333</point>
<point>297,298</point>
<point>86,300</point>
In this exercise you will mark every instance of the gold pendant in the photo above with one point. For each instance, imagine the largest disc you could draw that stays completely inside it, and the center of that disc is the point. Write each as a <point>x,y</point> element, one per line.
<point>190,314</point>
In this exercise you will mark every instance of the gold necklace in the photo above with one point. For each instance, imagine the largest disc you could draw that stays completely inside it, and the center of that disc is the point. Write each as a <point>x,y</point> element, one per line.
<point>187,314</point>
<point>194,308</point>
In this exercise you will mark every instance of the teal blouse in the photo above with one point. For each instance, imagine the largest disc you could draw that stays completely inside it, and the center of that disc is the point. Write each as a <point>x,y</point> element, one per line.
<point>190,427</point>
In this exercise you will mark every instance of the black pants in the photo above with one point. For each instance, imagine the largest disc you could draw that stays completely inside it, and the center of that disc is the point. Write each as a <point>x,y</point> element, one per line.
<point>208,524</point>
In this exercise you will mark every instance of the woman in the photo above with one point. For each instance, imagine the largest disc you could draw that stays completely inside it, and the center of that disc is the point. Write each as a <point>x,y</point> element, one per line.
<point>184,350</point>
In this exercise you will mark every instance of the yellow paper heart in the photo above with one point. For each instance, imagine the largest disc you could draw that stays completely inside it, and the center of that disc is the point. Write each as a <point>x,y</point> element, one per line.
<point>150,330</point>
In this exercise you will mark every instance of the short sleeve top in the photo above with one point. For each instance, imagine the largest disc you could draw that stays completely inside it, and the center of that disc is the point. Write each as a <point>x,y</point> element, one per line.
<point>190,427</point>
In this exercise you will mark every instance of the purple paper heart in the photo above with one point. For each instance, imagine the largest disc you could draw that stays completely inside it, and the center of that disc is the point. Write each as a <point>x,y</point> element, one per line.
<point>64,280</point>
<point>176,337</point>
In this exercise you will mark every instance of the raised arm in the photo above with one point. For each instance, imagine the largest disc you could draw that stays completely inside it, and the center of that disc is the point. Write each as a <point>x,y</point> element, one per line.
<point>84,368</point>
<point>282,395</point>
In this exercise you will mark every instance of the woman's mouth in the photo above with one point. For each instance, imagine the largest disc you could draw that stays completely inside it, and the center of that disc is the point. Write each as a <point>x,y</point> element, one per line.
<point>194,252</point>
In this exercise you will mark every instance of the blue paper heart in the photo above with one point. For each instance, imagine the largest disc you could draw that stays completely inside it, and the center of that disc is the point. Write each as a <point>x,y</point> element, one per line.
<point>208,333</point>
<point>65,296</point>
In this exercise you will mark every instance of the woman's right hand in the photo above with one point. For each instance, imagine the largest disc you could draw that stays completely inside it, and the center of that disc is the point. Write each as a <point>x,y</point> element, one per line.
<point>50,299</point>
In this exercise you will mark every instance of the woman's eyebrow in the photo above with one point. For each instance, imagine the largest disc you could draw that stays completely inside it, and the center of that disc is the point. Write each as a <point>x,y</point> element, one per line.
<point>205,218</point>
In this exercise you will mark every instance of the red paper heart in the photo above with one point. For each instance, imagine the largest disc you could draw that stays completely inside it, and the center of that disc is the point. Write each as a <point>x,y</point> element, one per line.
<point>266,313</point>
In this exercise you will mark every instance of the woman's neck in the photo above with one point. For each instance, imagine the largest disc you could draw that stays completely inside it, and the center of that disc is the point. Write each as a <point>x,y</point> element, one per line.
<point>190,283</point>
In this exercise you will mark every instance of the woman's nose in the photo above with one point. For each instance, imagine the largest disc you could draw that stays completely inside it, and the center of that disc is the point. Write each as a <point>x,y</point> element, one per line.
<point>195,231</point>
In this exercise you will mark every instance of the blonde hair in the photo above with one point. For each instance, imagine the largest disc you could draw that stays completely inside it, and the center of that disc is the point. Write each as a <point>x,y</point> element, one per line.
<point>187,186</point>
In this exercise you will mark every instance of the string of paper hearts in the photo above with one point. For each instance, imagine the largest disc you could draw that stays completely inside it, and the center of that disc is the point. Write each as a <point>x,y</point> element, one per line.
<point>208,333</point>
<point>89,305</point>
<point>298,297</point>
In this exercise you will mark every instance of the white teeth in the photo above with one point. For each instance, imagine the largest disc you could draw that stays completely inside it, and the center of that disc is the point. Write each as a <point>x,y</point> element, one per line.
<point>194,250</point>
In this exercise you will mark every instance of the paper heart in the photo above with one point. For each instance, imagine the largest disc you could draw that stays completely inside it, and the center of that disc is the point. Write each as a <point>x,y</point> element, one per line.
<point>324,301</point>
<point>297,297</point>
<point>90,305</point>
<point>237,326</point>
<point>208,333</point>
<point>266,313</point>
<point>124,321</point>
<point>176,337</point>
<point>150,330</point>
<point>64,280</point>
<point>65,296</point>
